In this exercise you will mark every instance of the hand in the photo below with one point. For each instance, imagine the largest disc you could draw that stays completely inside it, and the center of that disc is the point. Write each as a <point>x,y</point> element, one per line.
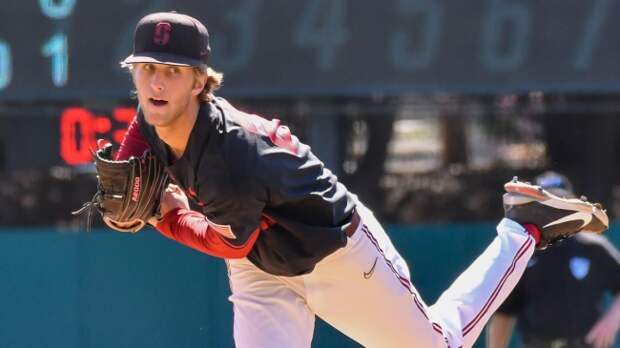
<point>603,333</point>
<point>172,197</point>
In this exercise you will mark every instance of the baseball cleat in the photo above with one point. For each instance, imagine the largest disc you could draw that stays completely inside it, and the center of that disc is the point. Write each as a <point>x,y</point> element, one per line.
<point>556,217</point>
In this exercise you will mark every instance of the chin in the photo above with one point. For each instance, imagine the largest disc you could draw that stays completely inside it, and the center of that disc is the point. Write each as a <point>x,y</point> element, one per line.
<point>155,119</point>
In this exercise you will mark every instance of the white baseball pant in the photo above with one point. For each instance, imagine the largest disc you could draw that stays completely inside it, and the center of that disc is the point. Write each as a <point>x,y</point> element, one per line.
<point>364,291</point>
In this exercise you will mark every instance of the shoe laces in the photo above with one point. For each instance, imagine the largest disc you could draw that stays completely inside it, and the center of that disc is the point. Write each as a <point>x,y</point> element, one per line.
<point>88,208</point>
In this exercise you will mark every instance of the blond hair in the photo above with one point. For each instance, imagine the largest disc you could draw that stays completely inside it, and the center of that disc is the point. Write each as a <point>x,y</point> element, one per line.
<point>214,81</point>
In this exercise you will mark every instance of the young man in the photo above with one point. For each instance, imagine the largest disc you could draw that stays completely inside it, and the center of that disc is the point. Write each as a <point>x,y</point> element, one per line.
<point>296,241</point>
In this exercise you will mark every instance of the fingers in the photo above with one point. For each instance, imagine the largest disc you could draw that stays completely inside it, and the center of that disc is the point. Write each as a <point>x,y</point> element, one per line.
<point>601,342</point>
<point>173,188</point>
<point>173,197</point>
<point>176,191</point>
<point>598,337</point>
<point>592,336</point>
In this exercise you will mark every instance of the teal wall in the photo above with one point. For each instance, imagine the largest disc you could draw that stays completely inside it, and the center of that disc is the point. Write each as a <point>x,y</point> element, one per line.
<point>106,289</point>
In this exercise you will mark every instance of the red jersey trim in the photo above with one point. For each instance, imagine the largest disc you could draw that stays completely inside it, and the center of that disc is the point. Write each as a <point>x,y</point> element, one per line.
<point>133,144</point>
<point>193,229</point>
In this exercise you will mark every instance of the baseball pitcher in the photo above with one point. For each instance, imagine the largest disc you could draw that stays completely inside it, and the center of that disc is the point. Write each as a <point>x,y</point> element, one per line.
<point>297,243</point>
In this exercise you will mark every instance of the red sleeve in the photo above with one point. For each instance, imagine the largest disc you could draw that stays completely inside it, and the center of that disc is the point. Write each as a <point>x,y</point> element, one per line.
<point>192,229</point>
<point>133,144</point>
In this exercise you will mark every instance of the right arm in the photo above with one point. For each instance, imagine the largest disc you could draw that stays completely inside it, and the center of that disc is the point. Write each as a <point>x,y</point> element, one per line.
<point>194,230</point>
<point>499,330</point>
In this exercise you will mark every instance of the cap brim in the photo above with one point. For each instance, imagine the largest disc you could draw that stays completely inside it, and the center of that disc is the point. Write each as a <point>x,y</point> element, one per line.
<point>162,58</point>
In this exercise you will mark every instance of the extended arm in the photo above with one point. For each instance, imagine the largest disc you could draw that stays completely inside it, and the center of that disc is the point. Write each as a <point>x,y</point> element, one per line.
<point>603,333</point>
<point>499,330</point>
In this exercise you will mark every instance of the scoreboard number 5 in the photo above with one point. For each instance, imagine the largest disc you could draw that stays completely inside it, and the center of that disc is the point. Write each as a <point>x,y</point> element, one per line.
<point>5,64</point>
<point>57,9</point>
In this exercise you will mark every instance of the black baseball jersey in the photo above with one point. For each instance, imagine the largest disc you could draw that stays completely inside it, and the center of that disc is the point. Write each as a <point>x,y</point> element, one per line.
<point>560,293</point>
<point>249,174</point>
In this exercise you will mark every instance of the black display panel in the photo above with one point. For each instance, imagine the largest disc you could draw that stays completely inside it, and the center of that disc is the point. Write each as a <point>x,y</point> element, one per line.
<point>70,49</point>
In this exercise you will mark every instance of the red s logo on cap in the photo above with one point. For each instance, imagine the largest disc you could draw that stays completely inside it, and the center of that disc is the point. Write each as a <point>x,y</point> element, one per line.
<point>162,33</point>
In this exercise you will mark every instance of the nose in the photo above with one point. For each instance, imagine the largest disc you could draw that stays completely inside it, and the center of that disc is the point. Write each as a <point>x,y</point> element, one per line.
<point>157,82</point>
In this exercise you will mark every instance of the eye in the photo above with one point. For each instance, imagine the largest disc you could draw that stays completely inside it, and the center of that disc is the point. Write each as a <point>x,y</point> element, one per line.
<point>148,67</point>
<point>174,70</point>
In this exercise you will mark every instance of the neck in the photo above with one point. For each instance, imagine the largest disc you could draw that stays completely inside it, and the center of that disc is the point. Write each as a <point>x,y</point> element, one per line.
<point>176,135</point>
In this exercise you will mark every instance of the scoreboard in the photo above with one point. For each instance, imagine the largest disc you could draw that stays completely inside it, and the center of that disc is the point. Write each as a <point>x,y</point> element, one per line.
<point>38,137</point>
<point>60,79</point>
<point>62,88</point>
<point>58,50</point>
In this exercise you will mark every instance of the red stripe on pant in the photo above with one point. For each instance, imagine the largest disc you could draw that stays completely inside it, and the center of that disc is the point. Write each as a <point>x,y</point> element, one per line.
<point>404,281</point>
<point>467,329</point>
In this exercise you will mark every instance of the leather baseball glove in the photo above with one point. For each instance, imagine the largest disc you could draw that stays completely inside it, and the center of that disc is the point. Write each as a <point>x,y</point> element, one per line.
<point>128,192</point>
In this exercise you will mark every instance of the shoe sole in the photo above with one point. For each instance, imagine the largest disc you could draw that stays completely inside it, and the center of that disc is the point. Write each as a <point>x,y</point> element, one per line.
<point>523,193</point>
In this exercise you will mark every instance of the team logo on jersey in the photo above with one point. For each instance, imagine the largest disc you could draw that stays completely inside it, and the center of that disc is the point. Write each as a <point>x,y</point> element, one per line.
<point>279,134</point>
<point>579,267</point>
<point>162,33</point>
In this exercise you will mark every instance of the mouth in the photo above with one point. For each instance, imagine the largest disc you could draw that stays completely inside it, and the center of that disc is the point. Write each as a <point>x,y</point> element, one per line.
<point>158,102</point>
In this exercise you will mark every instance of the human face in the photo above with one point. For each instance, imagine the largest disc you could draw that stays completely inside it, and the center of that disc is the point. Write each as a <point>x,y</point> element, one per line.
<point>165,92</point>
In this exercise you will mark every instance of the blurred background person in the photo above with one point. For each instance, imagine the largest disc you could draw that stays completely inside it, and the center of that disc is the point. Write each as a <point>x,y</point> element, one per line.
<point>558,303</point>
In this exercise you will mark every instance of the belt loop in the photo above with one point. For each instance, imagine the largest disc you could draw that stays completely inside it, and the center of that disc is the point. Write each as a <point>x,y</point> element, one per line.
<point>354,224</point>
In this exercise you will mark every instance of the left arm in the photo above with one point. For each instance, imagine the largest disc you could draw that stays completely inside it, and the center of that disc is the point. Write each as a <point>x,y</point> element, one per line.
<point>603,333</point>
<point>499,330</point>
